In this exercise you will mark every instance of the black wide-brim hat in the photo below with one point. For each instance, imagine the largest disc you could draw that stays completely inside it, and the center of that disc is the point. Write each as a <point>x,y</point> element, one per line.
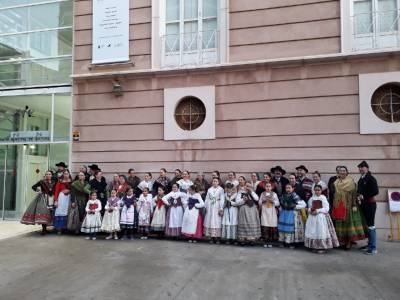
<point>94,167</point>
<point>363,164</point>
<point>61,164</point>
<point>302,167</point>
<point>278,168</point>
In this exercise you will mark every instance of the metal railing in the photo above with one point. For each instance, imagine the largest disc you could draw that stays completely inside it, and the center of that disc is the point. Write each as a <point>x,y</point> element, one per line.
<point>376,29</point>
<point>190,48</point>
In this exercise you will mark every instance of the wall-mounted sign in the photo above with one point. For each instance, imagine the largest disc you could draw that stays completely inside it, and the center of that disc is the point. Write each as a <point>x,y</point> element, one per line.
<point>76,136</point>
<point>29,136</point>
<point>110,31</point>
<point>394,200</point>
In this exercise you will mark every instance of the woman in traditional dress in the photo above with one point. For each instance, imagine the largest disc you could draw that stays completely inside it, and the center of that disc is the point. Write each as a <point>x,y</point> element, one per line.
<point>249,220</point>
<point>111,218</point>
<point>268,204</point>
<point>62,198</point>
<point>254,181</point>
<point>346,213</point>
<point>92,222</point>
<point>158,221</point>
<point>232,179</point>
<point>38,211</point>
<point>145,210</point>
<point>162,181</point>
<point>316,177</point>
<point>123,187</point>
<point>230,217</point>
<point>113,184</point>
<point>290,224</point>
<point>185,182</point>
<point>320,233</point>
<point>80,190</point>
<point>214,204</point>
<point>128,221</point>
<point>192,222</point>
<point>175,201</point>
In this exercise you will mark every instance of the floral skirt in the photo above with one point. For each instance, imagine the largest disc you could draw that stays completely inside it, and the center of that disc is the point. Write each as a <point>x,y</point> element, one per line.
<point>352,229</point>
<point>37,212</point>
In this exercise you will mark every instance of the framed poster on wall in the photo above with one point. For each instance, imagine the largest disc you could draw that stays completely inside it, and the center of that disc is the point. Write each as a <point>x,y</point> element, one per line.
<point>110,31</point>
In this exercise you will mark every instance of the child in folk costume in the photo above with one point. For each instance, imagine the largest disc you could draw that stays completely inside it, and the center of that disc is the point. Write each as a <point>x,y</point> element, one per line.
<point>185,182</point>
<point>230,217</point>
<point>92,222</point>
<point>249,219</point>
<point>214,204</point>
<point>62,197</point>
<point>175,201</point>
<point>268,203</point>
<point>111,217</point>
<point>158,222</point>
<point>128,213</point>
<point>290,224</point>
<point>320,233</point>
<point>192,223</point>
<point>145,209</point>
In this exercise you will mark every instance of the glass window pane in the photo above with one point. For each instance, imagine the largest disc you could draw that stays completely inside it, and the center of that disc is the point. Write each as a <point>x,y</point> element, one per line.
<point>42,44</point>
<point>172,38</point>
<point>387,14</point>
<point>46,16</point>
<point>57,153</point>
<point>210,33</point>
<point>172,10</point>
<point>191,9</point>
<point>9,3</point>
<point>62,117</point>
<point>14,20</point>
<point>23,114</point>
<point>210,8</point>
<point>363,17</point>
<point>35,72</point>
<point>190,36</point>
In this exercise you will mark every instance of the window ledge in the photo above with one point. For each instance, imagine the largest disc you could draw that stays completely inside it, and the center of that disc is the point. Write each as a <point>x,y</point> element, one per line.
<point>127,64</point>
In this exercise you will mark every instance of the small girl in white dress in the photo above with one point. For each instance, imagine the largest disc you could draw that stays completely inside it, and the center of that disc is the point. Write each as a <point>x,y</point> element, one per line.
<point>320,233</point>
<point>111,217</point>
<point>230,218</point>
<point>92,222</point>
<point>145,209</point>
<point>215,200</point>
<point>268,204</point>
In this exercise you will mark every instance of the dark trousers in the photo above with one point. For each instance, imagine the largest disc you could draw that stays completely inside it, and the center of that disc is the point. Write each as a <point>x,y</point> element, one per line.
<point>369,209</point>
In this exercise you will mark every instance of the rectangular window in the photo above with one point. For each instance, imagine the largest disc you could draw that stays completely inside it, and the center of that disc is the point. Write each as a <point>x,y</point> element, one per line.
<point>375,24</point>
<point>35,42</point>
<point>191,33</point>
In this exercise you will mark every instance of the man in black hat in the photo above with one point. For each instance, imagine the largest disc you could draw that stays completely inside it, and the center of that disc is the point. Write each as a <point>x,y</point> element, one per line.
<point>367,189</point>
<point>281,181</point>
<point>304,181</point>
<point>92,169</point>
<point>61,167</point>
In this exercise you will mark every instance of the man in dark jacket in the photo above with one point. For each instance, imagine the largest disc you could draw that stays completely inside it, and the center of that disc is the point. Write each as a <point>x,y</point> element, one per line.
<point>367,189</point>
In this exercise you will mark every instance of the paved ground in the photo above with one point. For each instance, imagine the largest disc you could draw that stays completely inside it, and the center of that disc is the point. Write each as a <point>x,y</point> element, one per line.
<point>14,228</point>
<point>68,267</point>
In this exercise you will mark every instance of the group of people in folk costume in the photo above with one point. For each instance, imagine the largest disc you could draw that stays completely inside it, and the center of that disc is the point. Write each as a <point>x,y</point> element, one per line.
<point>292,211</point>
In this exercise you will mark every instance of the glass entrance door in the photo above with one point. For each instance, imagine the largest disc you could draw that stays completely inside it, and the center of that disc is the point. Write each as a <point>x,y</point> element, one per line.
<point>8,180</point>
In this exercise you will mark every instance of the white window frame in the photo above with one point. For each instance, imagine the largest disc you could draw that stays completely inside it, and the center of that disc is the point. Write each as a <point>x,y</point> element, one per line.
<point>158,30</point>
<point>347,28</point>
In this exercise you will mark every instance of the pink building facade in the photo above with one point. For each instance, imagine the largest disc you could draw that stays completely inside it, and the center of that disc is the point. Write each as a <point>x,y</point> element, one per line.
<point>284,82</point>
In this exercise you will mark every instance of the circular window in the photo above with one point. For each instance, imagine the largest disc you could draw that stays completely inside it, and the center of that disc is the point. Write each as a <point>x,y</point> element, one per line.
<point>190,113</point>
<point>385,103</point>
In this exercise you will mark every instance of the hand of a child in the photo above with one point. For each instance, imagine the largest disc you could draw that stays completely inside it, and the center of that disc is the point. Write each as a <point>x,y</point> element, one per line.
<point>73,205</point>
<point>355,209</point>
